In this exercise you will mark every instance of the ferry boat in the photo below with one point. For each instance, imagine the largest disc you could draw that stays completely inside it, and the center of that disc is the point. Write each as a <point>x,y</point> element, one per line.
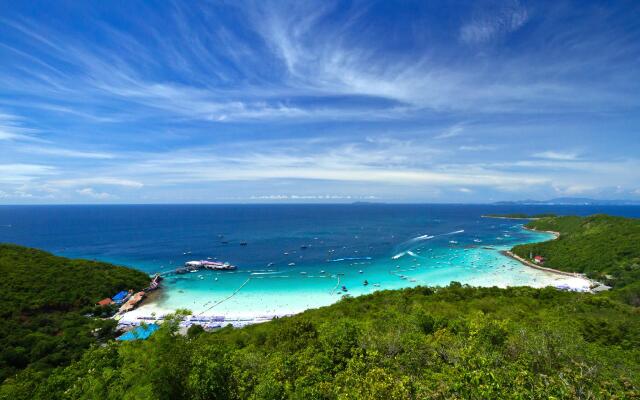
<point>206,264</point>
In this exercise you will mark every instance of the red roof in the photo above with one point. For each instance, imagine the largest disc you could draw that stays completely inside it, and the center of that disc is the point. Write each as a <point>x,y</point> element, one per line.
<point>538,258</point>
<point>105,302</point>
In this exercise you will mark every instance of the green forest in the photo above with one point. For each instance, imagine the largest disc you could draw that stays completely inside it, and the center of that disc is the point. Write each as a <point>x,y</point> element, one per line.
<point>603,247</point>
<point>456,342</point>
<point>43,303</point>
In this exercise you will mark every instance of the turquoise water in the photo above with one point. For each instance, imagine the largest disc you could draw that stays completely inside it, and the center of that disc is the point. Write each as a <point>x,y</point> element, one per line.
<point>297,256</point>
<point>289,289</point>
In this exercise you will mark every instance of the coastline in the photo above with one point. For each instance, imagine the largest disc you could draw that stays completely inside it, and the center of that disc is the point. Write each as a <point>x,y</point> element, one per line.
<point>510,254</point>
<point>554,233</point>
<point>154,308</point>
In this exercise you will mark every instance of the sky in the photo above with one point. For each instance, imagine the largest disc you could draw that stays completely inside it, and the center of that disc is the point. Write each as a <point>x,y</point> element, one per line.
<point>276,102</point>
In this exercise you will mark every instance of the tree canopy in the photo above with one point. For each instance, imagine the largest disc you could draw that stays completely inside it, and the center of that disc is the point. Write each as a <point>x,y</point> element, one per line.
<point>42,305</point>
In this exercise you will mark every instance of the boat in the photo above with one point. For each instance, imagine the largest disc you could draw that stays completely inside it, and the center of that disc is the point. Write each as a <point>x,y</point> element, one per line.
<point>206,264</point>
<point>366,282</point>
<point>360,271</point>
<point>477,240</point>
<point>243,243</point>
<point>376,284</point>
<point>304,247</point>
<point>344,288</point>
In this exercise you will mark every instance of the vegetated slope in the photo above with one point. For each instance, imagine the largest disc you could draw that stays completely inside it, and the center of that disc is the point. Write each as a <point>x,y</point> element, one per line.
<point>454,342</point>
<point>603,247</point>
<point>42,301</point>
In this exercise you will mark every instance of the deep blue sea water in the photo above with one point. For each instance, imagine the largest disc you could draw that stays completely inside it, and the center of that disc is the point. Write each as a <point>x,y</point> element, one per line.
<point>352,243</point>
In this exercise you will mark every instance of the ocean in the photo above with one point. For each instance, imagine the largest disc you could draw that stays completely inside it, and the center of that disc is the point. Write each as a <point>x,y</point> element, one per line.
<point>296,256</point>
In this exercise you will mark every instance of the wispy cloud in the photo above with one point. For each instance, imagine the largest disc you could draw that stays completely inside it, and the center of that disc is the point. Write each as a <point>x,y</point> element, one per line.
<point>493,22</point>
<point>367,98</point>
<point>67,153</point>
<point>557,155</point>
<point>453,131</point>
<point>109,181</point>
<point>92,193</point>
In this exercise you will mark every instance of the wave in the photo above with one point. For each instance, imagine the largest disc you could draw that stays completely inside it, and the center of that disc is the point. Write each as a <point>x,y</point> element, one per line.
<point>419,239</point>
<point>266,273</point>
<point>350,259</point>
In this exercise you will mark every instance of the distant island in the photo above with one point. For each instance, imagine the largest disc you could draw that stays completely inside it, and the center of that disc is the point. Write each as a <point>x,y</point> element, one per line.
<point>572,201</point>
<point>518,216</point>
<point>423,342</point>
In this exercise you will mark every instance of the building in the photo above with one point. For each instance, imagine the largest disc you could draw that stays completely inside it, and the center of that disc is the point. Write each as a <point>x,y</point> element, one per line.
<point>105,302</point>
<point>538,260</point>
<point>120,297</point>
<point>132,302</point>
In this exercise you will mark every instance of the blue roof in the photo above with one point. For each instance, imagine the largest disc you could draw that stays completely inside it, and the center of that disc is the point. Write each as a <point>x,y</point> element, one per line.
<point>141,332</point>
<point>120,295</point>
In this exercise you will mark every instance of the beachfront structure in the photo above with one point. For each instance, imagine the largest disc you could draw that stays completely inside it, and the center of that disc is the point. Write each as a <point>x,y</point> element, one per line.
<point>105,302</point>
<point>140,332</point>
<point>132,302</point>
<point>538,260</point>
<point>120,297</point>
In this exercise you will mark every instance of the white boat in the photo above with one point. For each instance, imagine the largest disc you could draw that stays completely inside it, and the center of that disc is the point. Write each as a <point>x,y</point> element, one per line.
<point>206,264</point>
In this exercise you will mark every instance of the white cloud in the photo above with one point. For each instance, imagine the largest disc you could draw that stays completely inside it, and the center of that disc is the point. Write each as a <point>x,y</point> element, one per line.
<point>557,155</point>
<point>571,190</point>
<point>478,147</point>
<point>60,152</point>
<point>90,192</point>
<point>453,131</point>
<point>111,181</point>
<point>494,23</point>
<point>19,173</point>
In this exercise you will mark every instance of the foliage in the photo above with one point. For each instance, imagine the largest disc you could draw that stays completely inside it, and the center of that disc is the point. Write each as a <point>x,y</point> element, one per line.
<point>456,342</point>
<point>453,342</point>
<point>44,299</point>
<point>603,247</point>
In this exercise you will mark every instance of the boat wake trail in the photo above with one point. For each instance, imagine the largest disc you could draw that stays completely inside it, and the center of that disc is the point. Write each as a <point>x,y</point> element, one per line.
<point>408,245</point>
<point>350,259</point>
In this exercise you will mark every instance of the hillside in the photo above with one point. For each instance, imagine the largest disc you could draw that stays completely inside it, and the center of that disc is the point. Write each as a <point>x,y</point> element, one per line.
<point>42,304</point>
<point>603,247</point>
<point>454,342</point>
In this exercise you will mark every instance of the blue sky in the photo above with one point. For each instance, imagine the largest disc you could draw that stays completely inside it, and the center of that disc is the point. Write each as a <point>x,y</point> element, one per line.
<point>274,101</point>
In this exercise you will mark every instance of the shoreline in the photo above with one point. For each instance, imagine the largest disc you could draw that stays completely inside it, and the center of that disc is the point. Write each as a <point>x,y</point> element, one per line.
<point>554,233</point>
<point>151,311</point>
<point>529,264</point>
